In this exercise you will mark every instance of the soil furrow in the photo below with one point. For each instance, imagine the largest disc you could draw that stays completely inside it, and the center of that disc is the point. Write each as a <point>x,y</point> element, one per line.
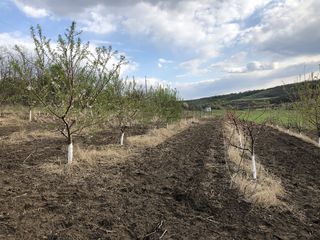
<point>179,189</point>
<point>297,164</point>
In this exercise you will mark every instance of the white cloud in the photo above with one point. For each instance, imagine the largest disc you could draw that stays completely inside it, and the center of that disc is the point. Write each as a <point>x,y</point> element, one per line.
<point>31,11</point>
<point>193,67</point>
<point>288,27</point>
<point>163,62</point>
<point>98,24</point>
<point>11,39</point>
<point>239,44</point>
<point>200,27</point>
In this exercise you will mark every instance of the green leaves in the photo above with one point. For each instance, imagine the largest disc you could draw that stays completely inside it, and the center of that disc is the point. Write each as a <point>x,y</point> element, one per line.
<point>68,78</point>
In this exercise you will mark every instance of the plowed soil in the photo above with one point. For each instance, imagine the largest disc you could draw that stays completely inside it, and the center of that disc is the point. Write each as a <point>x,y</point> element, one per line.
<point>179,189</point>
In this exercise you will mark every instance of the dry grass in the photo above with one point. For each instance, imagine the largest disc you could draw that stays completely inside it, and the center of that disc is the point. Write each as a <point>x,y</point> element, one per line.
<point>111,154</point>
<point>157,136</point>
<point>11,119</point>
<point>266,190</point>
<point>86,158</point>
<point>295,134</point>
<point>24,135</point>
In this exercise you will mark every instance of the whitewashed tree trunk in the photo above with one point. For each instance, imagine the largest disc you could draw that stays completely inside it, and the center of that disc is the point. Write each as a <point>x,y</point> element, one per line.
<point>121,139</point>
<point>30,115</point>
<point>319,141</point>
<point>70,153</point>
<point>254,169</point>
<point>240,140</point>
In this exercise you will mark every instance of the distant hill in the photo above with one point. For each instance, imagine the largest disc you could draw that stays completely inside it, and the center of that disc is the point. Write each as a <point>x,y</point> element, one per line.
<point>255,98</point>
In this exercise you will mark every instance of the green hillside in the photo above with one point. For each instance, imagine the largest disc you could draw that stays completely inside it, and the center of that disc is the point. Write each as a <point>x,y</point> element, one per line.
<point>254,99</point>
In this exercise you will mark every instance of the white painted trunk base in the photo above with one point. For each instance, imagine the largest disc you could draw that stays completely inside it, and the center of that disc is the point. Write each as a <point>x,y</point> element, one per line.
<point>319,141</point>
<point>70,153</point>
<point>30,115</point>
<point>240,140</point>
<point>121,139</point>
<point>254,169</point>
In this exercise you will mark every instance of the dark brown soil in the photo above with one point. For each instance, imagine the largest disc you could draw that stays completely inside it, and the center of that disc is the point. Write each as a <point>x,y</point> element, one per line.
<point>177,190</point>
<point>297,163</point>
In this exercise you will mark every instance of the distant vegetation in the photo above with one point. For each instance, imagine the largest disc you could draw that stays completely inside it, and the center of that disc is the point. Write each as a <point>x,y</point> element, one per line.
<point>265,98</point>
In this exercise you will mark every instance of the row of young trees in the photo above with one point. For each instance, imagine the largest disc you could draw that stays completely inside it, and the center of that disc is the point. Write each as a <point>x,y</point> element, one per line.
<point>304,114</point>
<point>80,86</point>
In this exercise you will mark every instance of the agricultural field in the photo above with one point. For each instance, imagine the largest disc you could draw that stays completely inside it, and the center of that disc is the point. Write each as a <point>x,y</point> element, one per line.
<point>166,183</point>
<point>87,152</point>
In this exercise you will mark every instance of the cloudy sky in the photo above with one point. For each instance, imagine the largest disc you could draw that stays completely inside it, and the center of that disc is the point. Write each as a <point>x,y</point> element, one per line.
<point>200,47</point>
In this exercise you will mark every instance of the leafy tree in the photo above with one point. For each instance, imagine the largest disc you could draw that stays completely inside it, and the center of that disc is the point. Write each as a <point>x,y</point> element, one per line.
<point>126,99</point>
<point>308,103</point>
<point>22,86</point>
<point>70,79</point>
<point>164,105</point>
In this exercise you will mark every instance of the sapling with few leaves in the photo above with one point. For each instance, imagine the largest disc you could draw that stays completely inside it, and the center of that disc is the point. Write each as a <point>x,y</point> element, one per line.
<point>250,130</point>
<point>22,63</point>
<point>70,79</point>
<point>126,102</point>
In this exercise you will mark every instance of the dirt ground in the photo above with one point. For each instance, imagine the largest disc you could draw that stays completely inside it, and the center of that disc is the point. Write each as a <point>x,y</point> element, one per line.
<point>179,189</point>
<point>297,163</point>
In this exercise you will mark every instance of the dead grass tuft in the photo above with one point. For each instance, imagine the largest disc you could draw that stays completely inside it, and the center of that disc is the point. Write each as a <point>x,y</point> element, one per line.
<point>111,154</point>
<point>157,136</point>
<point>266,190</point>
<point>24,135</point>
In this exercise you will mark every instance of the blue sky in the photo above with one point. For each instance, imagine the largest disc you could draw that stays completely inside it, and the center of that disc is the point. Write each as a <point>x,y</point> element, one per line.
<point>200,47</point>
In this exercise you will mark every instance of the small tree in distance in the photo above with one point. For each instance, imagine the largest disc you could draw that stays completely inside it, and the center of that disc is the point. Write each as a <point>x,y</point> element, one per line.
<point>70,79</point>
<point>126,101</point>
<point>164,104</point>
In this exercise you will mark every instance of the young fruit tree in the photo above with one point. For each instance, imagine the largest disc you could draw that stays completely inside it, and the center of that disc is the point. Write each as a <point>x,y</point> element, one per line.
<point>22,64</point>
<point>308,103</point>
<point>164,104</point>
<point>10,85</point>
<point>126,102</point>
<point>250,131</point>
<point>70,79</point>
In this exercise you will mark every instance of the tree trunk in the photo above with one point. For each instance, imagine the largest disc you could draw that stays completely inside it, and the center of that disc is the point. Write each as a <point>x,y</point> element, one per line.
<point>70,153</point>
<point>240,140</point>
<point>254,169</point>
<point>70,147</point>
<point>30,115</point>
<point>122,138</point>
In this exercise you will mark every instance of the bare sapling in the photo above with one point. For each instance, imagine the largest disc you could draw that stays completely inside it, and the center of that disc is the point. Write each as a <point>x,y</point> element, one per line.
<point>70,79</point>
<point>233,119</point>
<point>250,131</point>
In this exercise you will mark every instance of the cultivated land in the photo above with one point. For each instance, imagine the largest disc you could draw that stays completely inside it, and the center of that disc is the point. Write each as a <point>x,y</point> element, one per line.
<point>176,189</point>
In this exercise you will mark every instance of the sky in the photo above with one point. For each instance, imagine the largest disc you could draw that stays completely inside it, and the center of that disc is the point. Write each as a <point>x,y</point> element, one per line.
<point>200,47</point>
